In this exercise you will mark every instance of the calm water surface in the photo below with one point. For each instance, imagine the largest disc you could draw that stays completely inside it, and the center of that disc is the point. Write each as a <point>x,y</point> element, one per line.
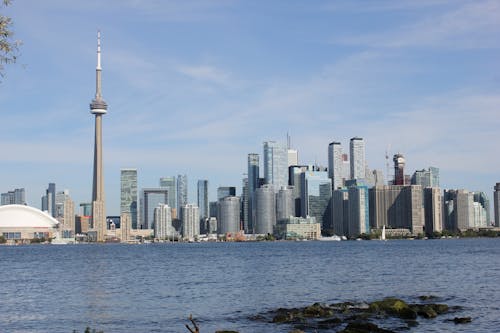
<point>154,288</point>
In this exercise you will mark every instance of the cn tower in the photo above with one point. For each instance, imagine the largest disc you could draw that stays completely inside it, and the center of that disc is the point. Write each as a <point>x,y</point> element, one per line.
<point>98,107</point>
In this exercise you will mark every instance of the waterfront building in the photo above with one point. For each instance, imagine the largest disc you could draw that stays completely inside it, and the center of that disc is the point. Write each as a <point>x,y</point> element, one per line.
<point>357,158</point>
<point>150,199</point>
<point>298,228</point>
<point>335,165</point>
<point>190,222</point>
<point>244,205</point>
<point>265,209</point>
<point>171,185</point>
<point>163,227</point>
<point>128,194</point>
<point>397,206</point>
<point>98,108</point>
<point>253,184</point>
<point>182,191</point>
<point>14,197</point>
<point>316,197</point>
<point>21,223</point>
<point>358,213</point>
<point>225,191</point>
<point>340,212</point>
<point>212,225</point>
<point>399,169</point>
<point>125,226</point>
<point>203,202</point>
<point>275,164</point>
<point>285,205</point>
<point>496,204</point>
<point>228,219</point>
<point>433,210</point>
<point>426,178</point>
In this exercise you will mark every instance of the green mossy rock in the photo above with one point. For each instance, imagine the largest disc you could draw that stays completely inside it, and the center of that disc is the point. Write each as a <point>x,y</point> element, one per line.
<point>393,306</point>
<point>364,327</point>
<point>318,310</point>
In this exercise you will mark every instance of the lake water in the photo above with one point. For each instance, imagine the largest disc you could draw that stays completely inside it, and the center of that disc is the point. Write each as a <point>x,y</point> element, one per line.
<point>155,287</point>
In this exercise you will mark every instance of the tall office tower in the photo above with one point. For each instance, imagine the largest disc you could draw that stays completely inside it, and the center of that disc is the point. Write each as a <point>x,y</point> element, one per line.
<point>397,206</point>
<point>49,200</point>
<point>65,213</point>
<point>275,164</point>
<point>203,198</point>
<point>253,184</point>
<point>163,222</point>
<point>228,219</point>
<point>98,108</point>
<point>340,212</point>
<point>357,158</point>
<point>295,173</point>
<point>426,178</point>
<point>399,169</point>
<point>125,226</point>
<point>285,204</point>
<point>225,191</point>
<point>358,211</point>
<point>265,209</point>
<point>244,205</point>
<point>335,164</point>
<point>293,157</point>
<point>190,221</point>
<point>449,197</point>
<point>496,204</point>
<point>433,210</point>
<point>316,197</point>
<point>171,185</point>
<point>464,210</point>
<point>14,197</point>
<point>182,191</point>
<point>212,207</point>
<point>150,199</point>
<point>128,194</point>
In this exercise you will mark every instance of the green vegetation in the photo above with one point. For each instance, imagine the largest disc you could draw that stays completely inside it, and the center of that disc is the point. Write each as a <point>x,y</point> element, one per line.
<point>468,233</point>
<point>8,46</point>
<point>267,237</point>
<point>2,239</point>
<point>38,240</point>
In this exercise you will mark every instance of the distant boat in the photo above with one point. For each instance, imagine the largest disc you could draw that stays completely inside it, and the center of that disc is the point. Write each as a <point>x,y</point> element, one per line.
<point>382,237</point>
<point>334,238</point>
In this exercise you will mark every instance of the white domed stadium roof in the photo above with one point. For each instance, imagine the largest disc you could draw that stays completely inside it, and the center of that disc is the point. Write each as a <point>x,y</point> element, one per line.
<point>20,216</point>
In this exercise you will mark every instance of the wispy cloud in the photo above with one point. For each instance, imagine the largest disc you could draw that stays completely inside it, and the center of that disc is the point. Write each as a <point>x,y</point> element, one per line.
<point>205,73</point>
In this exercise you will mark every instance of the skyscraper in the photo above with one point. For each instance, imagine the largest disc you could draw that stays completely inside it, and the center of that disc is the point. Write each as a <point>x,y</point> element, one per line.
<point>203,199</point>
<point>128,194</point>
<point>228,209</point>
<point>358,220</point>
<point>275,164</point>
<point>295,181</point>
<point>265,209</point>
<point>433,210</point>
<point>190,221</point>
<point>49,200</point>
<point>182,191</point>
<point>285,203</point>
<point>163,222</point>
<point>98,107</point>
<point>253,184</point>
<point>14,197</point>
<point>357,158</point>
<point>316,197</point>
<point>225,191</point>
<point>150,199</point>
<point>496,204</point>
<point>170,184</point>
<point>335,164</point>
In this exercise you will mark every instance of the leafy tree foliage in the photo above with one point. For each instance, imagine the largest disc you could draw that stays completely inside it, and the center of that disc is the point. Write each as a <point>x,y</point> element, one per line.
<point>8,46</point>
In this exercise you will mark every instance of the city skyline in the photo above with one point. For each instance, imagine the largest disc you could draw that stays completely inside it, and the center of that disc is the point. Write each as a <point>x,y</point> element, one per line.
<point>422,83</point>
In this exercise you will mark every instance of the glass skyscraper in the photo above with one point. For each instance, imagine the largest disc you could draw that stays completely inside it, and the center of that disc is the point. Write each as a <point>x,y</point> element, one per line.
<point>170,184</point>
<point>182,191</point>
<point>316,195</point>
<point>335,164</point>
<point>253,184</point>
<point>150,199</point>
<point>275,164</point>
<point>203,198</point>
<point>128,194</point>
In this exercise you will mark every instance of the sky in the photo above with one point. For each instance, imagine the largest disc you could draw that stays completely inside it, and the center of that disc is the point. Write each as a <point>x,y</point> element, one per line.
<point>194,86</point>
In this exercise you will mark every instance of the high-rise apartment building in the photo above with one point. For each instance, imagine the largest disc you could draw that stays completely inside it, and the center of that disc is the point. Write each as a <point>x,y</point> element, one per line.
<point>128,194</point>
<point>433,210</point>
<point>358,211</point>
<point>171,185</point>
<point>190,221</point>
<point>163,228</point>
<point>244,205</point>
<point>316,197</point>
<point>253,184</point>
<point>150,199</point>
<point>357,158</point>
<point>182,191</point>
<point>496,204</point>
<point>265,209</point>
<point>285,204</point>
<point>295,173</point>
<point>399,169</point>
<point>293,157</point>
<point>49,200</point>
<point>228,219</point>
<point>275,164</point>
<point>14,197</point>
<point>65,213</point>
<point>340,212</point>
<point>335,164</point>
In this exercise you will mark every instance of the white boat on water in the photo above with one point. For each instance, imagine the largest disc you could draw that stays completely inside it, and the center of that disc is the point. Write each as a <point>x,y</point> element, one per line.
<point>382,237</point>
<point>333,238</point>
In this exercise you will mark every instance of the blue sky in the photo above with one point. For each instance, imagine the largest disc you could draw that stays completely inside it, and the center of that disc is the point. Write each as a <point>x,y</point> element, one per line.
<point>194,86</point>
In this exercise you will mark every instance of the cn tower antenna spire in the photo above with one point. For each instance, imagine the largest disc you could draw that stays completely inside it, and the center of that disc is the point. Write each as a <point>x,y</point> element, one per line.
<point>98,50</point>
